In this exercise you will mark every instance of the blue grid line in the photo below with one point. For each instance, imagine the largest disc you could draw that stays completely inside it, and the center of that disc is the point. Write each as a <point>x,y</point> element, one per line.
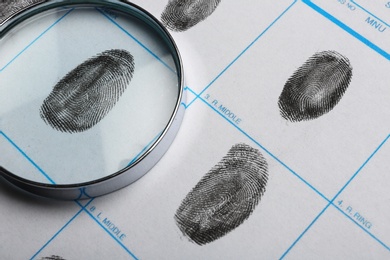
<point>331,202</point>
<point>348,29</point>
<point>27,157</point>
<point>62,229</point>
<point>36,39</point>
<point>360,226</point>
<point>108,232</point>
<point>365,10</point>
<point>136,40</point>
<point>266,150</point>
<point>242,53</point>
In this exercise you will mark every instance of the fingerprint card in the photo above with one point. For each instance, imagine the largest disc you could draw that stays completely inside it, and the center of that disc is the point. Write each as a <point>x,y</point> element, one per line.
<point>282,154</point>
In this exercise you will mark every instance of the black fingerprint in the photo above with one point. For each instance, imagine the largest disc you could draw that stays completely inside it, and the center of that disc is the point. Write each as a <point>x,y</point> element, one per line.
<point>180,15</point>
<point>316,87</point>
<point>225,196</point>
<point>86,94</point>
<point>53,257</point>
<point>9,7</point>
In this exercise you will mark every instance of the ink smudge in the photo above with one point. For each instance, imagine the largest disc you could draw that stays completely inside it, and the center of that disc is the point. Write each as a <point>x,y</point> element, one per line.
<point>86,94</point>
<point>316,87</point>
<point>225,196</point>
<point>53,257</point>
<point>180,15</point>
<point>8,8</point>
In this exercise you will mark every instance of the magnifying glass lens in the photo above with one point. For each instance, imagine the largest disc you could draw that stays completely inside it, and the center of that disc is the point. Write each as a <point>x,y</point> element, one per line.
<point>87,91</point>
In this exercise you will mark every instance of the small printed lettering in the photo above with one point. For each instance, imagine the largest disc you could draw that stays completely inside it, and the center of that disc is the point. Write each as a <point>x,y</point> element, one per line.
<point>363,221</point>
<point>224,110</point>
<point>110,226</point>
<point>348,4</point>
<point>355,215</point>
<point>351,7</point>
<point>229,114</point>
<point>375,24</point>
<point>114,229</point>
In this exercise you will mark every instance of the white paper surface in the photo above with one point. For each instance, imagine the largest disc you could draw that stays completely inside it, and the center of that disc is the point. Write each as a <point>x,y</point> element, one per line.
<point>327,193</point>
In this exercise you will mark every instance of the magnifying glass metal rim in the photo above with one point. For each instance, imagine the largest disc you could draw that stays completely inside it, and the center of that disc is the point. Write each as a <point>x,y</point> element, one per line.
<point>150,157</point>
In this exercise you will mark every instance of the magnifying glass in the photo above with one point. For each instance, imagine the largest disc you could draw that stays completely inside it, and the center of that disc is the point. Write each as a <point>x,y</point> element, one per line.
<point>91,95</point>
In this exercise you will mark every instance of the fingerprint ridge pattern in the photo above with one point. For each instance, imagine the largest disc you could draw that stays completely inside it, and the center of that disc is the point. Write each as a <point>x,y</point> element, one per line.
<point>9,8</point>
<point>87,93</point>
<point>180,15</point>
<point>316,87</point>
<point>225,197</point>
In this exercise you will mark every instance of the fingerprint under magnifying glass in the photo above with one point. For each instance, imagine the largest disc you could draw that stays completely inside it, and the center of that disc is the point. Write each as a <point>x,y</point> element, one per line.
<point>93,96</point>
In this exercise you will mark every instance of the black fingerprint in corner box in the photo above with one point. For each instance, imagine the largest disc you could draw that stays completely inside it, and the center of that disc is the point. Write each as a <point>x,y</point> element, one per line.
<point>86,94</point>
<point>316,87</point>
<point>180,15</point>
<point>225,196</point>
